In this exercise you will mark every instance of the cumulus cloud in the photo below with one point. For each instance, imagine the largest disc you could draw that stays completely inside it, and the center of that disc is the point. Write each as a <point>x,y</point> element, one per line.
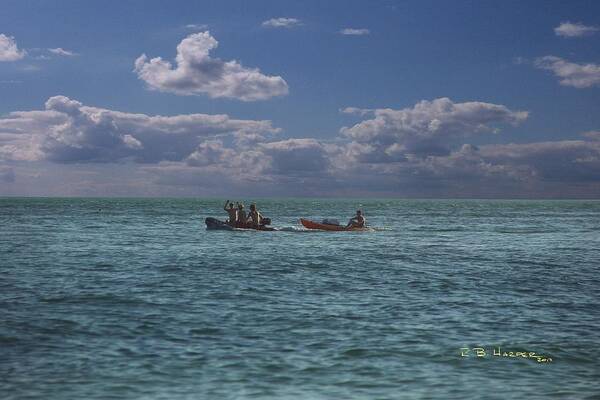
<point>9,50</point>
<point>197,73</point>
<point>355,31</point>
<point>577,29</point>
<point>428,128</point>
<point>282,23</point>
<point>59,51</point>
<point>571,74</point>
<point>67,131</point>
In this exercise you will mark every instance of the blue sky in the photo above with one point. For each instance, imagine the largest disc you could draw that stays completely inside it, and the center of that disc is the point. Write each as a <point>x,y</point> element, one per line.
<point>483,99</point>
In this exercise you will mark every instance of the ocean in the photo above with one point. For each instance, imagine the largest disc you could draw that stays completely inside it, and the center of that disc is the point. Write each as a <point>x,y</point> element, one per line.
<point>444,299</point>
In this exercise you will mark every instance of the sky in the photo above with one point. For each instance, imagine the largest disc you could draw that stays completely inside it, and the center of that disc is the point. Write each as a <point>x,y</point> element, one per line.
<point>475,99</point>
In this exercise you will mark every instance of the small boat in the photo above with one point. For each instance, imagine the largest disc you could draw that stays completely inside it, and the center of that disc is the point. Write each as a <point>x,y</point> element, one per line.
<point>327,226</point>
<point>215,224</point>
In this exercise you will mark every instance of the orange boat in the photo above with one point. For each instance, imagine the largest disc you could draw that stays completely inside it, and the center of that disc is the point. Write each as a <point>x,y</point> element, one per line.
<point>327,227</point>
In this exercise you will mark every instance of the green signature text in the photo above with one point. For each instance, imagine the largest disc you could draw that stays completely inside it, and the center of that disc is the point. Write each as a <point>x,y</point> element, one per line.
<point>479,352</point>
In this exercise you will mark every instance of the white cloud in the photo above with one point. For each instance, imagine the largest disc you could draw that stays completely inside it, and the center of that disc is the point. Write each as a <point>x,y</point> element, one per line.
<point>428,128</point>
<point>354,31</point>
<point>571,74</point>
<point>67,131</point>
<point>198,73</point>
<point>282,23</point>
<point>9,50</point>
<point>357,111</point>
<point>571,30</point>
<point>59,51</point>
<point>210,152</point>
<point>199,27</point>
<point>132,143</point>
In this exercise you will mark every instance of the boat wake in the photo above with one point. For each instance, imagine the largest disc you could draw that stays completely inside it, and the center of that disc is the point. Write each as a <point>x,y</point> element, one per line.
<point>381,228</point>
<point>293,229</point>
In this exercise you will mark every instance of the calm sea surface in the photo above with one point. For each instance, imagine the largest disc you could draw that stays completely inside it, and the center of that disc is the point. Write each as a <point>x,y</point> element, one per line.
<point>133,298</point>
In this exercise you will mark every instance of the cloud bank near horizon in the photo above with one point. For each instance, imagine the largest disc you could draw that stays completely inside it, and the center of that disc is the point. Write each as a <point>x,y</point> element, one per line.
<point>421,150</point>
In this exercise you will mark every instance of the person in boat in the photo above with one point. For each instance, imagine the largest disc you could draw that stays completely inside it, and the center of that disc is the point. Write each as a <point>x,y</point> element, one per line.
<point>254,217</point>
<point>241,215</point>
<point>358,221</point>
<point>233,213</point>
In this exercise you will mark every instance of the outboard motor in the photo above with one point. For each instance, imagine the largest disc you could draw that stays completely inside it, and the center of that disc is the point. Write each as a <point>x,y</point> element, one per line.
<point>265,221</point>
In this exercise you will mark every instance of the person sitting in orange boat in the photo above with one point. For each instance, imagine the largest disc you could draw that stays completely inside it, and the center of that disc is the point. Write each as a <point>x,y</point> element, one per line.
<point>233,213</point>
<point>358,221</point>
<point>254,217</point>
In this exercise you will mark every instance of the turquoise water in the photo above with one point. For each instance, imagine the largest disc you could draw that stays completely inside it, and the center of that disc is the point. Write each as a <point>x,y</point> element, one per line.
<point>133,298</point>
